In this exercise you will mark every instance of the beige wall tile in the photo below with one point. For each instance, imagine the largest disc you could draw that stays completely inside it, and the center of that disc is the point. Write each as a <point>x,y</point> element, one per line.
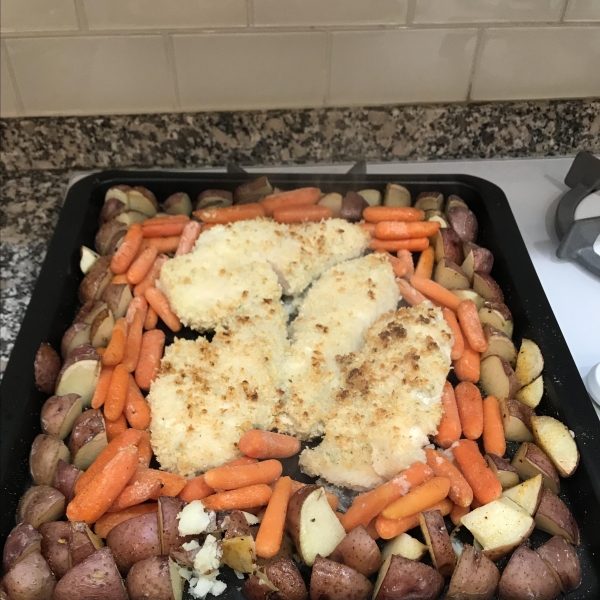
<point>379,67</point>
<point>37,15</point>
<point>92,74</point>
<point>545,62</point>
<point>329,12</point>
<point>250,70</point>
<point>481,11</point>
<point>583,10</point>
<point>161,14</point>
<point>8,101</point>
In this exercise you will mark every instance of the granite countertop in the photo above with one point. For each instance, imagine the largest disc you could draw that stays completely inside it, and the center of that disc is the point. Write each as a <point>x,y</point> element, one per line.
<point>39,155</point>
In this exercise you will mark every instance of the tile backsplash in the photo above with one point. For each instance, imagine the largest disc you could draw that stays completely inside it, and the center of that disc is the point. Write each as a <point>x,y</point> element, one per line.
<point>67,57</point>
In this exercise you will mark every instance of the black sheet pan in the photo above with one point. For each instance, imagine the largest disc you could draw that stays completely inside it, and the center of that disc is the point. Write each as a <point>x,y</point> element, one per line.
<point>54,304</point>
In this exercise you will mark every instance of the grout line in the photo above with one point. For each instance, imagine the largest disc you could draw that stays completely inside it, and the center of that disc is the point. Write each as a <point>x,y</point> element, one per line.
<point>411,10</point>
<point>563,12</point>
<point>82,22</point>
<point>327,69</point>
<point>172,65</point>
<point>476,60</point>
<point>242,29</point>
<point>13,80</point>
<point>250,13</point>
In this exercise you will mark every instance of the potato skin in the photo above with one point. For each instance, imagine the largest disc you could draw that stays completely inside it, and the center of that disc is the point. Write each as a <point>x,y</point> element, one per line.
<point>561,557</point>
<point>96,578</point>
<point>406,578</point>
<point>55,546</point>
<point>359,551</point>
<point>30,579</point>
<point>22,540</point>
<point>45,453</point>
<point>65,477</point>
<point>475,577</point>
<point>55,412</point>
<point>45,368</point>
<point>331,581</point>
<point>40,504</point>
<point>168,509</point>
<point>285,576</point>
<point>150,579</point>
<point>134,540</point>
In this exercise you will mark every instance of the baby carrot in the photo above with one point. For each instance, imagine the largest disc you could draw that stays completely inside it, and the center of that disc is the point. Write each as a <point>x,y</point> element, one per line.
<point>196,489</point>
<point>270,532</point>
<point>332,499</point>
<point>117,393</point>
<point>367,506</point>
<point>467,367</point>
<point>151,319</point>
<point>377,214</point>
<point>144,448</point>
<point>120,279</point>
<point>141,265</point>
<point>389,528</point>
<point>408,293</point>
<point>302,214</point>
<point>100,351</point>
<point>458,348</point>
<point>240,499</point>
<point>368,227</point>
<point>126,252</point>
<point>458,512</point>
<point>418,499</point>
<point>476,504</point>
<point>399,267</point>
<point>470,409</point>
<point>482,480</point>
<point>109,520</point>
<point>171,484</point>
<point>449,429</point>
<point>163,230</point>
<point>412,244</point>
<point>165,245</point>
<point>160,304</point>
<point>151,276</point>
<point>142,486</point>
<point>103,489</point>
<point>136,408</point>
<point>468,318</point>
<point>242,460</point>
<point>265,444</point>
<point>231,478</point>
<point>460,491</point>
<point>102,386</point>
<point>231,214</point>
<point>406,257</point>
<point>166,219</point>
<point>494,441</point>
<point>436,292</point>
<point>294,198</point>
<point>115,428</point>
<point>151,351</point>
<point>138,303</point>
<point>372,529</point>
<point>424,266</point>
<point>115,350</point>
<point>189,235</point>
<point>133,343</point>
<point>129,437</point>
<point>402,230</point>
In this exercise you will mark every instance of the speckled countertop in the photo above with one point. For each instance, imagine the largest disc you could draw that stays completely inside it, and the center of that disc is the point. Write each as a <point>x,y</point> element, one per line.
<point>39,155</point>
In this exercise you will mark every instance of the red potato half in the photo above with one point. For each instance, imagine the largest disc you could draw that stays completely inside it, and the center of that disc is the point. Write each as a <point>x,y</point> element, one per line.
<point>55,546</point>
<point>45,453</point>
<point>46,367</point>
<point>134,540</point>
<point>40,504</point>
<point>82,542</point>
<point>59,414</point>
<point>476,577</point>
<point>280,580</point>
<point>530,461</point>
<point>507,475</point>
<point>79,375</point>
<point>65,478</point>
<point>98,277</point>
<point>561,557</point>
<point>527,495</point>
<point>334,581</point>
<point>516,419</point>
<point>438,542</point>
<point>30,579</point>
<point>21,541</point>
<point>554,517</point>
<point>96,578</point>
<point>168,523</point>
<point>555,439</point>
<point>359,551</point>
<point>88,438</point>
<point>401,577</point>
<point>155,578</point>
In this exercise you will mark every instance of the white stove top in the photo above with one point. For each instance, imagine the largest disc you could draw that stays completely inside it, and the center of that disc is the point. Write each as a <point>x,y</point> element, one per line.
<point>533,188</point>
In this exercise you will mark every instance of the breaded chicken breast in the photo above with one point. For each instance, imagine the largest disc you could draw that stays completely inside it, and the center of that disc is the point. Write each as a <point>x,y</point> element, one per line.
<point>206,395</point>
<point>338,310</point>
<point>388,403</point>
<point>233,266</point>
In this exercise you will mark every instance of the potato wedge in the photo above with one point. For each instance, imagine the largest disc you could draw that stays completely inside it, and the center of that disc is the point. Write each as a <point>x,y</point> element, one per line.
<point>527,495</point>
<point>119,192</point>
<point>55,547</point>
<point>334,581</point>
<point>555,439</point>
<point>30,579</point>
<point>404,545</point>
<point>561,557</point>
<point>40,504</point>
<point>449,275</point>
<point>88,438</point>
<point>79,375</point>
<point>429,201</point>
<point>529,461</point>
<point>65,477</point>
<point>239,553</point>
<point>400,577</point>
<point>142,200</point>
<point>470,295</point>
<point>117,297</point>
<point>109,237</point>
<point>83,542</point>
<point>523,568</point>
<point>102,327</point>
<point>178,204</point>
<point>372,197</point>
<point>530,362</point>
<point>447,244</point>
<point>94,578</point>
<point>252,191</point>
<point>531,394</point>
<point>282,576</point>
<point>59,413</point>
<point>46,368</point>
<point>498,315</point>
<point>21,541</point>
<point>464,222</point>
<point>332,201</point>
<point>45,453</point>
<point>87,258</point>
<point>95,282</point>
<point>76,335</point>
<point>452,201</point>
<point>497,377</point>
<point>483,259</point>
<point>437,539</point>
<point>168,523</point>
<point>499,344</point>
<point>396,195</point>
<point>111,208</point>
<point>487,287</point>
<point>516,418</point>
<point>154,578</point>
<point>555,518</point>
<point>499,527</point>
<point>87,313</point>
<point>213,199</point>
<point>476,577</point>
<point>503,470</point>
<point>129,217</point>
<point>353,205</point>
<point>359,551</point>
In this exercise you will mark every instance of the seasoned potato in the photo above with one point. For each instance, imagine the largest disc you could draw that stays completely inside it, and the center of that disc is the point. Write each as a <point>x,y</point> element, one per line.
<point>45,368</point>
<point>30,579</point>
<point>46,451</point>
<point>21,541</point>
